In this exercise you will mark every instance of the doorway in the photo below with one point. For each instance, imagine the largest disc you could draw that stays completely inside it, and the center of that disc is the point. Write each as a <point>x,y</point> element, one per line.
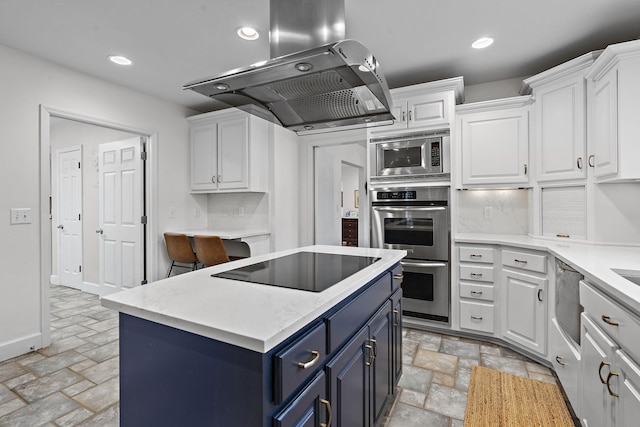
<point>339,188</point>
<point>61,132</point>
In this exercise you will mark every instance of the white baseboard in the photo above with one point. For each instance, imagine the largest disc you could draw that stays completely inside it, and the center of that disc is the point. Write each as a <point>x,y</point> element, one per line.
<point>20,346</point>
<point>54,280</point>
<point>92,288</point>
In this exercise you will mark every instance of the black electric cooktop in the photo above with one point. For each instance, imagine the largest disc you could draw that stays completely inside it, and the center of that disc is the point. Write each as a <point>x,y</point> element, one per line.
<point>307,271</point>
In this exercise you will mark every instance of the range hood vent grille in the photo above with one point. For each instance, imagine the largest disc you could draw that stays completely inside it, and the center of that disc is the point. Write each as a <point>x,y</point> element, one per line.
<point>309,85</point>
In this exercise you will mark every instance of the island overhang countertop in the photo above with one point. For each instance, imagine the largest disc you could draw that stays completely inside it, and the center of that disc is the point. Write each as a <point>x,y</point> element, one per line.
<point>254,316</point>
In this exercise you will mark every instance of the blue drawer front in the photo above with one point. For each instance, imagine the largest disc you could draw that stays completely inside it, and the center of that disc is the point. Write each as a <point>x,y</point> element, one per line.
<point>310,349</point>
<point>353,315</point>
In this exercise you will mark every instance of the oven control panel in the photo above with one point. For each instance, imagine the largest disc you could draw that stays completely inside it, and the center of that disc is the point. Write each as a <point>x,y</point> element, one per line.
<point>396,195</point>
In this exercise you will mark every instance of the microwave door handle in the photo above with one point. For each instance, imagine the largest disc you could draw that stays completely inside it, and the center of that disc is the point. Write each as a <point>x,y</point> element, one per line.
<point>423,264</point>
<point>405,209</point>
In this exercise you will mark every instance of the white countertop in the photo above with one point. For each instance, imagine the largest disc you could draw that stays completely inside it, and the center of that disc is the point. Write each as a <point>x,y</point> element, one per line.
<point>595,261</point>
<point>224,234</point>
<point>250,315</point>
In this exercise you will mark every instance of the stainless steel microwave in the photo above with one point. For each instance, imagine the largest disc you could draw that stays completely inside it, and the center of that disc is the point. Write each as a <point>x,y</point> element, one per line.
<point>410,155</point>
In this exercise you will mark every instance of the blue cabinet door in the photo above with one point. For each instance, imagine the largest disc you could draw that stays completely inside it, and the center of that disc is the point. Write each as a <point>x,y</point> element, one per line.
<point>396,361</point>
<point>380,334</point>
<point>348,374</point>
<point>309,409</point>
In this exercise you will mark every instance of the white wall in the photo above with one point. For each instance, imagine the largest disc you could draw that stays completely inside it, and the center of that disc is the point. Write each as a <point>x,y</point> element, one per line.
<point>350,184</point>
<point>493,90</point>
<point>25,83</point>
<point>617,213</point>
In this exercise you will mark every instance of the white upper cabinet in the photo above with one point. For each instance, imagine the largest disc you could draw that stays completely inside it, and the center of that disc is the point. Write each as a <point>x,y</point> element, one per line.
<point>493,137</point>
<point>559,132</point>
<point>228,152</point>
<point>613,93</point>
<point>424,106</point>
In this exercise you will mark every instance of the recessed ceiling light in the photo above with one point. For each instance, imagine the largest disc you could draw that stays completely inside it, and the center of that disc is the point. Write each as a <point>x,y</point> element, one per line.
<point>482,42</point>
<point>120,60</point>
<point>248,33</point>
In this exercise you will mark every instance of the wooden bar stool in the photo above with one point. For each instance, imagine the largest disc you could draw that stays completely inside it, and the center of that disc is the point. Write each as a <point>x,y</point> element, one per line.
<point>180,251</point>
<point>210,250</point>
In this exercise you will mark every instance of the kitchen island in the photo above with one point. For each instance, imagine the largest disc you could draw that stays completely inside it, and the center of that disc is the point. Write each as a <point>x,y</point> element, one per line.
<point>203,350</point>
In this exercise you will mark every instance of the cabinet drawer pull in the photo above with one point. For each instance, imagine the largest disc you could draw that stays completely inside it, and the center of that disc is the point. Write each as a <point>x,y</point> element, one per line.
<point>476,317</point>
<point>410,118</point>
<point>404,116</point>
<point>611,374</point>
<point>559,360</point>
<point>310,363</point>
<point>475,274</point>
<point>522,261</point>
<point>590,161</point>
<point>396,318</point>
<point>328,405</point>
<point>213,179</point>
<point>398,276</point>
<point>602,365</point>
<point>525,169</point>
<point>371,356</point>
<point>476,292</point>
<point>607,319</point>
<point>579,162</point>
<point>564,236</point>
<point>540,295</point>
<point>475,255</point>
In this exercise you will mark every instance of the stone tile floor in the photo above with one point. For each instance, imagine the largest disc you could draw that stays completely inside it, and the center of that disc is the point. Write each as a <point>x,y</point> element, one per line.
<point>74,381</point>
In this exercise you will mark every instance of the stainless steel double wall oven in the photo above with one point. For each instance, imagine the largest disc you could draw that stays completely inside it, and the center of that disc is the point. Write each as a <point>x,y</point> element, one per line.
<point>417,220</point>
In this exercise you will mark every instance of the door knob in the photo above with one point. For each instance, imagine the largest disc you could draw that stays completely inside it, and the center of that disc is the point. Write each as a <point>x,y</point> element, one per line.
<point>99,231</point>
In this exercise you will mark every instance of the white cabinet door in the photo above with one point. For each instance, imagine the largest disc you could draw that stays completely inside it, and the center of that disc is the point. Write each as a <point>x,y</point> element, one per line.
<point>524,313</point>
<point>428,110</point>
<point>597,352</point>
<point>566,362</point>
<point>560,130</point>
<point>233,154</point>
<point>605,126</point>
<point>495,147</point>
<point>204,157</point>
<point>628,390</point>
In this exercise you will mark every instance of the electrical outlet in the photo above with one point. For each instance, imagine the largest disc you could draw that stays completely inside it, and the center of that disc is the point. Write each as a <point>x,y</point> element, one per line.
<point>20,216</point>
<point>488,212</point>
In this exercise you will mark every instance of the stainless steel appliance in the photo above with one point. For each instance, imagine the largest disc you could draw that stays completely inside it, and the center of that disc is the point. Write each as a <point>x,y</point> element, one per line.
<point>568,308</point>
<point>315,80</point>
<point>418,221</point>
<point>410,156</point>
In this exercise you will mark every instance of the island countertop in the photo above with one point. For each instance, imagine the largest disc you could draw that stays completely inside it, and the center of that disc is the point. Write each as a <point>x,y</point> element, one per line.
<point>249,315</point>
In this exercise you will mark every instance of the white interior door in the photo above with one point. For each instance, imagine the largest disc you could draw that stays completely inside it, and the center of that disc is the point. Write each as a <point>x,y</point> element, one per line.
<point>328,226</point>
<point>120,215</point>
<point>69,216</point>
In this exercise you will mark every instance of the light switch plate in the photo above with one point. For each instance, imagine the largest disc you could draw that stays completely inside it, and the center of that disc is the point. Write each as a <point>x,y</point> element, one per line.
<point>20,216</point>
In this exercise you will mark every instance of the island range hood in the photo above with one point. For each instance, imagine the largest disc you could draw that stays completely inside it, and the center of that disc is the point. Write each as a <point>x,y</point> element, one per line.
<point>315,81</point>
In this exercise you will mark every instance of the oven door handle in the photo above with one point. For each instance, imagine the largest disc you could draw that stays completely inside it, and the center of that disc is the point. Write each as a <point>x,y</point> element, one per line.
<point>408,208</point>
<point>423,264</point>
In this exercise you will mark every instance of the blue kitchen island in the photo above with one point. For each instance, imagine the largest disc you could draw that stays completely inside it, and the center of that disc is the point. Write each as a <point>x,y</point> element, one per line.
<point>305,337</point>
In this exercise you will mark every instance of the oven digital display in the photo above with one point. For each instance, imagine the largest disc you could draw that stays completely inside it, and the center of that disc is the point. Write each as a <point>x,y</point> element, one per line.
<point>397,195</point>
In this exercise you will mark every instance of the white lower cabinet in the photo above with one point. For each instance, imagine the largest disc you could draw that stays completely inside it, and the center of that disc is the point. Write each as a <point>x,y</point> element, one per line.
<point>523,293</point>
<point>476,272</point>
<point>610,373</point>
<point>477,316</point>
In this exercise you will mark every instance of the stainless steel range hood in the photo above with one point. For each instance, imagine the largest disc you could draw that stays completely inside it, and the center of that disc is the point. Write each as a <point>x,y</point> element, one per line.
<point>326,83</point>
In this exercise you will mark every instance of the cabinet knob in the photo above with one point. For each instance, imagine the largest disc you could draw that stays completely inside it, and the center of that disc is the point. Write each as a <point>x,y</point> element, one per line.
<point>329,411</point>
<point>310,363</point>
<point>591,161</point>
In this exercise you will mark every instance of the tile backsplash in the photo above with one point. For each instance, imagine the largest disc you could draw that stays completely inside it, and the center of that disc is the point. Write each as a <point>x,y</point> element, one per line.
<point>509,210</point>
<point>238,211</point>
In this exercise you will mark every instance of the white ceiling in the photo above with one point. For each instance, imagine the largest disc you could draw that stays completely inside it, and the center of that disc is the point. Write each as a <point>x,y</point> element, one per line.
<point>173,42</point>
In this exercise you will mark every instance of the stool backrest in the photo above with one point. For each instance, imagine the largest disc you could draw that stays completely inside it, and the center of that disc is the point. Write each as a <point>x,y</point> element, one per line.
<point>210,250</point>
<point>179,248</point>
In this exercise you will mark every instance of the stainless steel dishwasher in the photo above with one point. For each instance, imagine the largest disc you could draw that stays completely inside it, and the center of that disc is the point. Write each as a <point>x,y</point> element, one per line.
<point>568,308</point>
